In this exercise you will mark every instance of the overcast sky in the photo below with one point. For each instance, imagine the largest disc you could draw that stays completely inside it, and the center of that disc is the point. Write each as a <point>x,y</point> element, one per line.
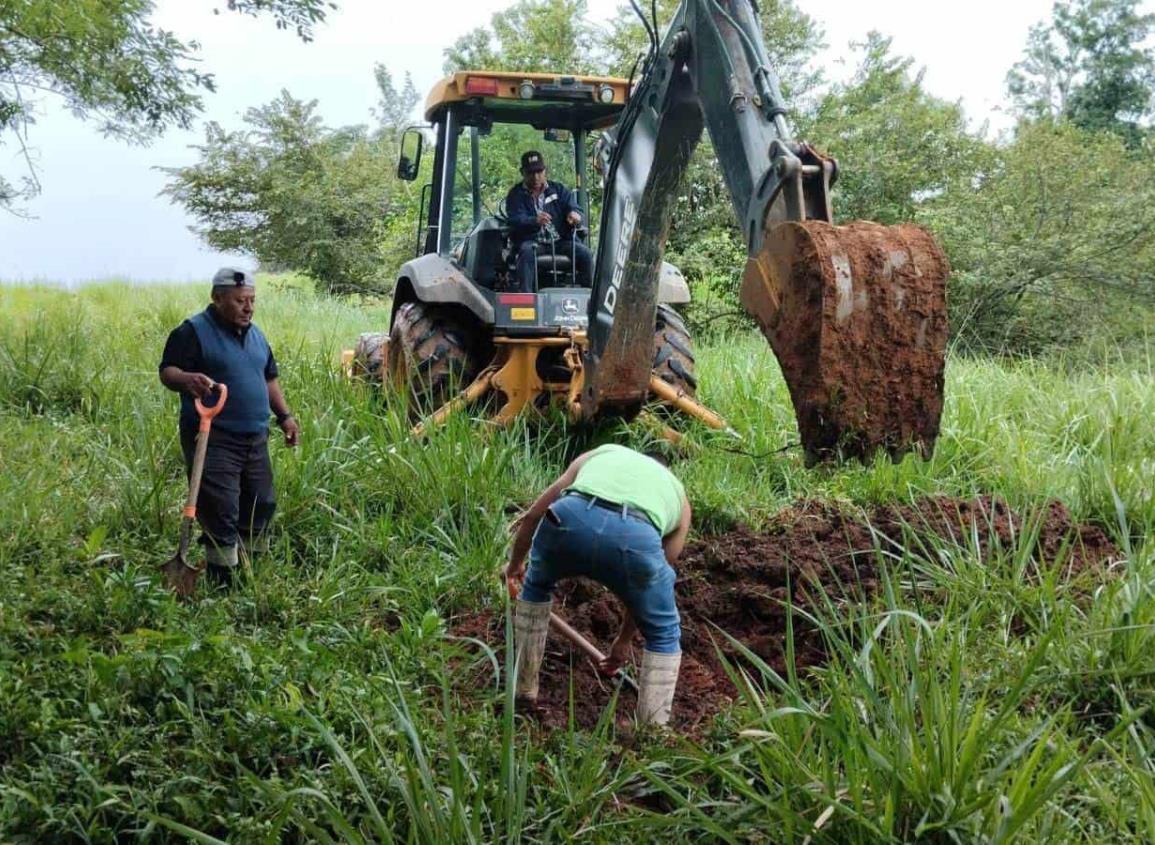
<point>99,215</point>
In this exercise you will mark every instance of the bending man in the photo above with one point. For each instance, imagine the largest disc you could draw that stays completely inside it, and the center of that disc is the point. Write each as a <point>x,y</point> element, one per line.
<point>621,518</point>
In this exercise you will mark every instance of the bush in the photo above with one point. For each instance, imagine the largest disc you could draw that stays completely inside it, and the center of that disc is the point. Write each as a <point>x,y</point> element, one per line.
<point>1052,242</point>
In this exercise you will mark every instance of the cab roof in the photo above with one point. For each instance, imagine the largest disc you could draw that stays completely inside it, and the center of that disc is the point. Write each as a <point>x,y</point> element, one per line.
<point>555,101</point>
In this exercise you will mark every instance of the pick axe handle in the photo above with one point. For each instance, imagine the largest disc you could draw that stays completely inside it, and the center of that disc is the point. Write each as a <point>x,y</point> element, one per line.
<point>570,633</point>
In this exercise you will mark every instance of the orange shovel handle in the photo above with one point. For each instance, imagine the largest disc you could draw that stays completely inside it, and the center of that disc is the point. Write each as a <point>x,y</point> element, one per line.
<point>207,412</point>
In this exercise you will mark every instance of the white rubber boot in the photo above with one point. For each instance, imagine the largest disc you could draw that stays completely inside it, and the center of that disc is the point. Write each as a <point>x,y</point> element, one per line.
<point>530,627</point>
<point>659,679</point>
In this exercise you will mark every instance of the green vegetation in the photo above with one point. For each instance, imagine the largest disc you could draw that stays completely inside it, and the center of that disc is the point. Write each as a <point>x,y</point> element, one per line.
<point>1090,65</point>
<point>107,62</point>
<point>982,696</point>
<point>295,194</point>
<point>315,701</point>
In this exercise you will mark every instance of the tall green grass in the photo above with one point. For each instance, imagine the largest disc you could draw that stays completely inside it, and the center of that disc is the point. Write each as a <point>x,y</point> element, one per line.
<point>982,698</point>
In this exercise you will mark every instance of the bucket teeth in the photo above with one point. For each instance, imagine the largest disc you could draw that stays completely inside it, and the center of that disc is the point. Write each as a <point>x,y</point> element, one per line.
<point>856,316</point>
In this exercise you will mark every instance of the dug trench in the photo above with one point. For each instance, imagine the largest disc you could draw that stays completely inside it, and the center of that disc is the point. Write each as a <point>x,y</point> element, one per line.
<point>811,557</point>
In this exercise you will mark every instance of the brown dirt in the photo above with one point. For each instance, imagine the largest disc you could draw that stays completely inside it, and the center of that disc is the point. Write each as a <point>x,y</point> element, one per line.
<point>742,581</point>
<point>856,316</point>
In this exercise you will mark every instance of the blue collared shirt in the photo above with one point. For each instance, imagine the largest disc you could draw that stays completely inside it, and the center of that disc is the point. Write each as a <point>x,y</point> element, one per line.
<point>522,207</point>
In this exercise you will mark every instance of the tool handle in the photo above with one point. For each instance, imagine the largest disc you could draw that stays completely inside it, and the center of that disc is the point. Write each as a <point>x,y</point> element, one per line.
<point>207,412</point>
<point>194,480</point>
<point>563,628</point>
<point>570,633</point>
<point>566,630</point>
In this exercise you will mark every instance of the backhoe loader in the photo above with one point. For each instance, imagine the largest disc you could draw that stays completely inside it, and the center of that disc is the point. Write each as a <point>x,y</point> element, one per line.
<point>856,314</point>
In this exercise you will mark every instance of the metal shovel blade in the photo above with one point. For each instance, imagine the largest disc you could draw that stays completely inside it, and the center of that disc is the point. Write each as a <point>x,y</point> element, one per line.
<point>179,575</point>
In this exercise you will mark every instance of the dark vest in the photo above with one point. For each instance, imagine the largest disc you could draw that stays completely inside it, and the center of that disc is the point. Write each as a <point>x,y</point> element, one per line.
<point>239,362</point>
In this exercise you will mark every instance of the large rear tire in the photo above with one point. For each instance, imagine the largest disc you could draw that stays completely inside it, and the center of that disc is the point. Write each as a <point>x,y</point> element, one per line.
<point>674,351</point>
<point>431,353</point>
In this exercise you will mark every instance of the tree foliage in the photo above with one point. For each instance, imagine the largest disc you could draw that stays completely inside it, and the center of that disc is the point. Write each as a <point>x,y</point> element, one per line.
<point>531,35</point>
<point>295,194</point>
<point>1093,64</point>
<point>395,104</point>
<point>107,62</point>
<point>896,143</point>
<point>1054,239</point>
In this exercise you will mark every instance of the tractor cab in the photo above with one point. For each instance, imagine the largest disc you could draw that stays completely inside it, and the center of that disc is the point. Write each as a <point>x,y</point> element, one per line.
<point>461,325</point>
<point>482,122</point>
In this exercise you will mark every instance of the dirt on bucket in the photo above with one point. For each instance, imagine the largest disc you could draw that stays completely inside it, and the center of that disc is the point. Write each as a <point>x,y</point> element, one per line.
<point>856,316</point>
<point>743,582</point>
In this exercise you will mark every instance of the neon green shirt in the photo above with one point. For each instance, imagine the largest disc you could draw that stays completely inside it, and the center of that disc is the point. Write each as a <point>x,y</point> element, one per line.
<point>625,477</point>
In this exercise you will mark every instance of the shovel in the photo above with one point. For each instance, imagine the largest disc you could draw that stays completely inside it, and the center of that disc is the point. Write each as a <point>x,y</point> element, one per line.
<point>180,575</point>
<point>585,646</point>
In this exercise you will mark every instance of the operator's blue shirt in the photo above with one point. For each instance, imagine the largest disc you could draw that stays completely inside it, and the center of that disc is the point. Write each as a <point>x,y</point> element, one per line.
<point>521,209</point>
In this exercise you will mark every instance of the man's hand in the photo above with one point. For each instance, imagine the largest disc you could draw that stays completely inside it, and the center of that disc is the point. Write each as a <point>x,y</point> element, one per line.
<point>574,218</point>
<point>618,656</point>
<point>514,571</point>
<point>544,218</point>
<point>198,384</point>
<point>291,429</point>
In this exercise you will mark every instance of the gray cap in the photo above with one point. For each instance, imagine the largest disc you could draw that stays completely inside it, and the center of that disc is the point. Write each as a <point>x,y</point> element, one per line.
<point>232,277</point>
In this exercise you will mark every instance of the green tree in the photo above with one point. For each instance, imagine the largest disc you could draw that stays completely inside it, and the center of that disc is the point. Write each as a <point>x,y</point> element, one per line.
<point>626,41</point>
<point>897,144</point>
<point>394,113</point>
<point>295,194</point>
<point>1092,64</point>
<point>107,62</point>
<point>394,110</point>
<point>1053,241</point>
<point>531,35</point>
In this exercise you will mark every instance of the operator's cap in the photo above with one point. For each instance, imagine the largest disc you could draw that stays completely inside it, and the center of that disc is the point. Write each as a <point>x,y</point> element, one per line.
<point>232,277</point>
<point>532,162</point>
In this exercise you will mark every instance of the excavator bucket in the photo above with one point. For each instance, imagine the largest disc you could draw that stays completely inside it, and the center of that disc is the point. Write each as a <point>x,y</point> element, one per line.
<point>856,316</point>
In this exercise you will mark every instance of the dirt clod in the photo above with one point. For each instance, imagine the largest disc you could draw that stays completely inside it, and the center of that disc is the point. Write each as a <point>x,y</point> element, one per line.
<point>744,582</point>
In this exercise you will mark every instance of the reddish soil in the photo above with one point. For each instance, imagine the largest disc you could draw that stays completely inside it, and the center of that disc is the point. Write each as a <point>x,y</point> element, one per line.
<point>742,582</point>
<point>856,316</point>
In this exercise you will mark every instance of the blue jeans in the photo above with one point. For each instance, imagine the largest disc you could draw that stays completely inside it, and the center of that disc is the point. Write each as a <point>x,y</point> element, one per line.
<point>622,552</point>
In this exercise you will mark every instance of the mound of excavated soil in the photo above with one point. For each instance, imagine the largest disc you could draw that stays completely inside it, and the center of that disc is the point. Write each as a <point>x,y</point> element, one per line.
<point>742,582</point>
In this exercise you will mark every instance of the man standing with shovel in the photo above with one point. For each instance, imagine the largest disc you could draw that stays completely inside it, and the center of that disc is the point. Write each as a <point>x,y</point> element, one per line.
<point>621,518</point>
<point>221,344</point>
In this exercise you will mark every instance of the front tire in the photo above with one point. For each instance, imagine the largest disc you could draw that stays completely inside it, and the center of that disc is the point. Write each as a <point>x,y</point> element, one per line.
<point>431,353</point>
